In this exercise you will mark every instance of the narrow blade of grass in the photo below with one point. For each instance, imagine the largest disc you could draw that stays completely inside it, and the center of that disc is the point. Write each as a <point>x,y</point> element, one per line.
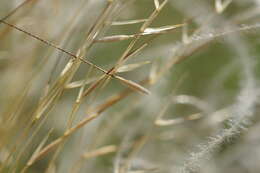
<point>80,83</point>
<point>130,67</point>
<point>129,22</point>
<point>156,4</point>
<point>134,85</point>
<point>161,30</point>
<point>114,38</point>
<point>101,151</point>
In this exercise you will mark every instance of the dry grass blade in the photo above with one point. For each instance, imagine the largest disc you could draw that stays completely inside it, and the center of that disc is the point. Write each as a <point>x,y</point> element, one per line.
<point>78,101</point>
<point>20,99</point>
<point>93,86</point>
<point>147,31</point>
<point>99,24</point>
<point>80,83</point>
<point>114,38</point>
<point>45,150</point>
<point>101,151</point>
<point>126,53</point>
<point>53,91</point>
<point>71,119</point>
<point>134,85</point>
<point>16,9</point>
<point>130,67</point>
<point>156,4</point>
<point>164,122</point>
<point>161,30</point>
<point>153,16</point>
<point>70,131</point>
<point>37,150</point>
<point>183,99</point>
<point>129,22</point>
<point>144,170</point>
<point>221,5</point>
<point>135,52</point>
<point>57,89</point>
<point>72,55</point>
<point>61,139</point>
<point>56,47</point>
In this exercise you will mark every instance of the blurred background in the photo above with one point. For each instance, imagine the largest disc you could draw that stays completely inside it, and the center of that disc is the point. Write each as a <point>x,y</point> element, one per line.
<point>181,94</point>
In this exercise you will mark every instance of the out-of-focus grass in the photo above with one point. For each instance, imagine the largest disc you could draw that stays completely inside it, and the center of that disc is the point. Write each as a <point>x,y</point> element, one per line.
<point>129,86</point>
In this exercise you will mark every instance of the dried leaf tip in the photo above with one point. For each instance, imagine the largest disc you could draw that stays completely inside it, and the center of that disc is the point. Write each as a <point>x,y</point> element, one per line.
<point>101,151</point>
<point>130,67</point>
<point>161,30</point>
<point>133,85</point>
<point>221,5</point>
<point>129,22</point>
<point>114,38</point>
<point>156,4</point>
